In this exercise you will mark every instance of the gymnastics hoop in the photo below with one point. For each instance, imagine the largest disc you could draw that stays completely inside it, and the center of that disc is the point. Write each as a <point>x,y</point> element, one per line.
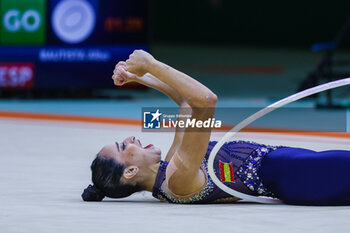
<point>229,135</point>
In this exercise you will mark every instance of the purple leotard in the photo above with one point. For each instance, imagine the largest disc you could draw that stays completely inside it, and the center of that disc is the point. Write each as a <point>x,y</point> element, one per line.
<point>306,177</point>
<point>293,175</point>
<point>236,163</point>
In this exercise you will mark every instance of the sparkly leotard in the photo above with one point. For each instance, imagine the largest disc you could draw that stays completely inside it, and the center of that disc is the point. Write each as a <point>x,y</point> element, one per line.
<point>294,175</point>
<point>236,164</point>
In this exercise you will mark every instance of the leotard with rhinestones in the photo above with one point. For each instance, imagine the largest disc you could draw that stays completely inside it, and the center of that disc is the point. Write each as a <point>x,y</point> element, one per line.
<point>236,164</point>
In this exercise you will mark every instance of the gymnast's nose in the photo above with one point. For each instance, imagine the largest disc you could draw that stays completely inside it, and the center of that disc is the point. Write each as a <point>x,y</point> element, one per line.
<point>130,139</point>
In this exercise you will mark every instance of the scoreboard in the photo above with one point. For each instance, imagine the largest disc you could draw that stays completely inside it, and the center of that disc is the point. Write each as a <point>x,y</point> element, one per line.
<point>68,43</point>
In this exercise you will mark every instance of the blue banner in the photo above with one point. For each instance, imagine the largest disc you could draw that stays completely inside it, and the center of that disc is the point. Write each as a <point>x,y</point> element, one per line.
<point>67,66</point>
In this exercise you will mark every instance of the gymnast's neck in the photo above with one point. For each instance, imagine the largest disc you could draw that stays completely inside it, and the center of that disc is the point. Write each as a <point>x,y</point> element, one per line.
<point>150,177</point>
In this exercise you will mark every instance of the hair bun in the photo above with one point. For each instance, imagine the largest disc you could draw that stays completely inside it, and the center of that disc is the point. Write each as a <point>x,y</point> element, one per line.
<point>92,193</point>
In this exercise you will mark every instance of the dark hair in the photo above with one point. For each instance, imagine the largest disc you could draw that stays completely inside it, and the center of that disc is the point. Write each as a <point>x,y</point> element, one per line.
<point>106,175</point>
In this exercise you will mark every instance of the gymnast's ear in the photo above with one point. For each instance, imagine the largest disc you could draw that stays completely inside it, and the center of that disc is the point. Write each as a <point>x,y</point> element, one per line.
<point>130,172</point>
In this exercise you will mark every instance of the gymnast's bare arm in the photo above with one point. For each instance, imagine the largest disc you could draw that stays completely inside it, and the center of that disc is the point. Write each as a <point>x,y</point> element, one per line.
<point>121,76</point>
<point>184,175</point>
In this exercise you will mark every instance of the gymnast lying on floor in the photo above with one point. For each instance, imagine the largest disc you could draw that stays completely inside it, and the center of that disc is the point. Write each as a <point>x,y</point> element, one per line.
<point>293,175</point>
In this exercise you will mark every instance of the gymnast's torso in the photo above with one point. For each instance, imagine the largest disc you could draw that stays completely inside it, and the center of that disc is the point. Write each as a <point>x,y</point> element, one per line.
<point>236,165</point>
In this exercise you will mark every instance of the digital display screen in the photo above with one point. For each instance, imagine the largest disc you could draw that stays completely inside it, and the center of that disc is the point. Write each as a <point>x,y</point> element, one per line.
<point>68,43</point>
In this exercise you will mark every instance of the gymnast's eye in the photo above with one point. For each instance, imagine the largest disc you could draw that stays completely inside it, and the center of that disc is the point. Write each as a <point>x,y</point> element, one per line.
<point>123,146</point>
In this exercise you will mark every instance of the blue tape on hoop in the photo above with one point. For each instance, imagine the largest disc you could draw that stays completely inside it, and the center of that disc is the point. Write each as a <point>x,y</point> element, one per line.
<point>229,135</point>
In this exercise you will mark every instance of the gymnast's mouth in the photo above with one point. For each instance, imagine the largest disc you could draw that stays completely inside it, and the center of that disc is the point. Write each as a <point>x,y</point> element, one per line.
<point>148,146</point>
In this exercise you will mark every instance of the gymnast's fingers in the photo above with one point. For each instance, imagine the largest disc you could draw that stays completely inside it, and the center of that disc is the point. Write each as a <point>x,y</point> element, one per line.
<point>120,63</point>
<point>127,75</point>
<point>118,80</point>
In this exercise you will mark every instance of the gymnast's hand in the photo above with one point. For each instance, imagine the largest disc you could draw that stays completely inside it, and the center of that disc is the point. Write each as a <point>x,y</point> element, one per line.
<point>121,76</point>
<point>138,62</point>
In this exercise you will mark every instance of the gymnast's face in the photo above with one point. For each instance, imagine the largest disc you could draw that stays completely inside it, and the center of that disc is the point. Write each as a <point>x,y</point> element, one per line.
<point>131,153</point>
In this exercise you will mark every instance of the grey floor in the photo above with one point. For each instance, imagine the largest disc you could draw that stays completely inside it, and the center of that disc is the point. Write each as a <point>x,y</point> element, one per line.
<point>44,166</point>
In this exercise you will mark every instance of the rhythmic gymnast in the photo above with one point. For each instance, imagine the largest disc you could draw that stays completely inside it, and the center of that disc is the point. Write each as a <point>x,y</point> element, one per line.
<point>293,175</point>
